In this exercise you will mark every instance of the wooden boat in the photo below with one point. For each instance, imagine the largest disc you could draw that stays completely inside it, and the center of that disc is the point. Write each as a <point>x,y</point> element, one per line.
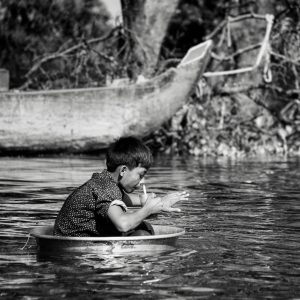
<point>79,120</point>
<point>164,240</point>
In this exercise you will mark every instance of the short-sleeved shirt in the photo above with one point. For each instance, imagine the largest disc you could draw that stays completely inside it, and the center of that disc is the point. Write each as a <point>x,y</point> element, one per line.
<point>84,212</point>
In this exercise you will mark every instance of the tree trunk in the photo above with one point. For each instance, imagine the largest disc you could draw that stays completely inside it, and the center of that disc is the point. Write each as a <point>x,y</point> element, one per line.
<point>146,23</point>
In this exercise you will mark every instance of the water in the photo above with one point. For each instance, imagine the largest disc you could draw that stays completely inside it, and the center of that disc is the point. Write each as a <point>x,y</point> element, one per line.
<point>242,240</point>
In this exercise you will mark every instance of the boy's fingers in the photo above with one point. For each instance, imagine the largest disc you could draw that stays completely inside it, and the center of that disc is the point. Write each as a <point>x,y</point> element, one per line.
<point>173,201</point>
<point>175,209</point>
<point>172,209</point>
<point>185,195</point>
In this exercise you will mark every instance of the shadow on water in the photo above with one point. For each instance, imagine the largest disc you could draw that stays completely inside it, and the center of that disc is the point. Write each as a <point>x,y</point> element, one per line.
<point>242,233</point>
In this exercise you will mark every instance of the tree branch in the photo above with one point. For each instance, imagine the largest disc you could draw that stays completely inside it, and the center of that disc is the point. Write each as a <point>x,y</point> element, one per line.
<point>237,53</point>
<point>56,55</point>
<point>283,57</point>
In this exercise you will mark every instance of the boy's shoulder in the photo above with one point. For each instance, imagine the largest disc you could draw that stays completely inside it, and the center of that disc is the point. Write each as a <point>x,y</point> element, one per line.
<point>103,184</point>
<point>102,178</point>
<point>97,180</point>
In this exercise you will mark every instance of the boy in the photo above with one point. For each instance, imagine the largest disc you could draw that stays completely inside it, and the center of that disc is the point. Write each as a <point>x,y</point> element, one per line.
<point>99,206</point>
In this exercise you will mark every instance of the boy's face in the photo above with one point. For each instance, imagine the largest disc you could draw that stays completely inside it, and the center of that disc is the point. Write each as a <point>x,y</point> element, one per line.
<point>130,179</point>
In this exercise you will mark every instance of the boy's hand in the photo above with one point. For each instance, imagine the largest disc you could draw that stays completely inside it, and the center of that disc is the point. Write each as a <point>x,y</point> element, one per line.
<point>144,198</point>
<point>153,205</point>
<point>169,200</point>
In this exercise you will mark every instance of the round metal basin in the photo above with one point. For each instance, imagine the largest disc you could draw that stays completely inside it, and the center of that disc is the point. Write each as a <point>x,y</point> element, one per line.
<point>164,239</point>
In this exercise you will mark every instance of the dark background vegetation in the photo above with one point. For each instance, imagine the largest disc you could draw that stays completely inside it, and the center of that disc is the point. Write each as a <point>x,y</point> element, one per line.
<point>71,43</point>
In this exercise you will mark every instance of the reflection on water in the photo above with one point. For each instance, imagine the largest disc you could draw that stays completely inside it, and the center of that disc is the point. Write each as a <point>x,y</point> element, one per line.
<point>242,241</point>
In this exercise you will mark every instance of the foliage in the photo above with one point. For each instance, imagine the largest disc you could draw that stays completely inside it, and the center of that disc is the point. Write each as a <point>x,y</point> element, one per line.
<point>263,118</point>
<point>31,30</point>
<point>211,125</point>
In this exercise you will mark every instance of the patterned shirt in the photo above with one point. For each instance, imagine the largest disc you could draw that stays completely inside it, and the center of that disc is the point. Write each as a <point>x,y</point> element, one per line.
<point>84,213</point>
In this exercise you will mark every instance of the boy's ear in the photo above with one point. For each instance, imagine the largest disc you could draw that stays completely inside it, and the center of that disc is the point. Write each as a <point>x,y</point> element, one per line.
<point>123,170</point>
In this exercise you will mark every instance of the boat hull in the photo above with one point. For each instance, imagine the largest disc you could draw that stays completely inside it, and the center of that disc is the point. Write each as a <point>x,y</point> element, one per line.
<point>82,120</point>
<point>163,240</point>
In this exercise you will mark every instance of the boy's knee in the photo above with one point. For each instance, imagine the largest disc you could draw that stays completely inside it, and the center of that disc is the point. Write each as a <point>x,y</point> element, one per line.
<point>139,232</point>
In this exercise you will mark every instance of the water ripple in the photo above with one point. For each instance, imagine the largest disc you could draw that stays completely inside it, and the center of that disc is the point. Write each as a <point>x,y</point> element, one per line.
<point>242,226</point>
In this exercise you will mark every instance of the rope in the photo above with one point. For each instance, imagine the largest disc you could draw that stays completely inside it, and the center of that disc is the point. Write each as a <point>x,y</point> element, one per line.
<point>229,42</point>
<point>264,51</point>
<point>267,74</point>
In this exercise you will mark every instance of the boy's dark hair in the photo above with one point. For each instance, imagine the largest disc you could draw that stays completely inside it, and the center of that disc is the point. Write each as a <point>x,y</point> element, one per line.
<point>128,151</point>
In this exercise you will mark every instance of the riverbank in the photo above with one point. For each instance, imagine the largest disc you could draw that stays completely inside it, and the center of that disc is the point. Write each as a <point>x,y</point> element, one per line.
<point>223,126</point>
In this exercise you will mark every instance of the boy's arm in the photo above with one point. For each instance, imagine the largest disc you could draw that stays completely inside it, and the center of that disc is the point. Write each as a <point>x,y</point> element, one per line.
<point>127,221</point>
<point>136,199</point>
<point>131,200</point>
